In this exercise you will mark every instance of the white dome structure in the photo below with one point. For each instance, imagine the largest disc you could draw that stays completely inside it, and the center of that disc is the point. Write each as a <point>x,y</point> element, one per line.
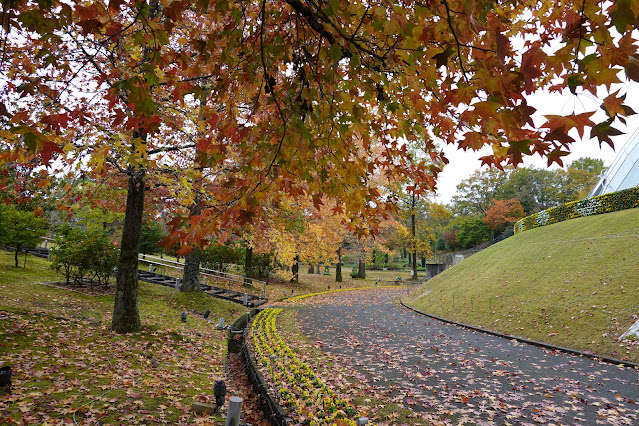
<point>623,173</point>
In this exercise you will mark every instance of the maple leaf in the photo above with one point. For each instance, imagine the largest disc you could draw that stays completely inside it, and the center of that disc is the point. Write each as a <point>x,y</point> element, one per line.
<point>603,132</point>
<point>632,67</point>
<point>502,43</point>
<point>613,104</point>
<point>442,57</point>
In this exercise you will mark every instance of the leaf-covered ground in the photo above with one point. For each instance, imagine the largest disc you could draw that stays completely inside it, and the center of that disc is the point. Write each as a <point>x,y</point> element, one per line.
<point>445,374</point>
<point>69,368</point>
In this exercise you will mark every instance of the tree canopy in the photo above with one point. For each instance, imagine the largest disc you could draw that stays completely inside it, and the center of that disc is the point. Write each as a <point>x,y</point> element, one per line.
<point>295,97</point>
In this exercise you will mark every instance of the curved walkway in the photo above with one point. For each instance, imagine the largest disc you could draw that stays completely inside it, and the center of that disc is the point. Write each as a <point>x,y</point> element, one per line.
<point>459,375</point>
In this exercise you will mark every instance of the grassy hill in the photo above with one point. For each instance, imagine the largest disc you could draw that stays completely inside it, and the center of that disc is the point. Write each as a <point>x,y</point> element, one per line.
<point>572,284</point>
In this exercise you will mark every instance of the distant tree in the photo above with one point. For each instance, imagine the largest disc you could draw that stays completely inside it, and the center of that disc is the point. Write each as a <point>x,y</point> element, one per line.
<point>217,254</point>
<point>476,193</point>
<point>503,213</point>
<point>448,240</point>
<point>151,235</point>
<point>472,231</point>
<point>21,229</point>
<point>591,165</point>
<point>536,189</point>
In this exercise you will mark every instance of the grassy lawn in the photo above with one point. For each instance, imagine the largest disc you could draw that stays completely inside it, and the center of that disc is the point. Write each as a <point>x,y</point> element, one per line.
<point>573,284</point>
<point>68,367</point>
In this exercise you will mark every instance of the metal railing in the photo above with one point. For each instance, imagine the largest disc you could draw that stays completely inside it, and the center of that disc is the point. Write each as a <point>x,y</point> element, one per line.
<point>205,273</point>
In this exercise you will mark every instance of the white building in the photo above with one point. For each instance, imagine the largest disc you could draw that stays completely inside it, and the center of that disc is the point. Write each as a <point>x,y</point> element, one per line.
<point>623,173</point>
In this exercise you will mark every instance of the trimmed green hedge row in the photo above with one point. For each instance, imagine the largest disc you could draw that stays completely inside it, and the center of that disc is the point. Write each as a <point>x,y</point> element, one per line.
<point>606,203</point>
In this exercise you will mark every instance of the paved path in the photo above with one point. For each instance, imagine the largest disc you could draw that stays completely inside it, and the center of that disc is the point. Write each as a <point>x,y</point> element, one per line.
<point>467,376</point>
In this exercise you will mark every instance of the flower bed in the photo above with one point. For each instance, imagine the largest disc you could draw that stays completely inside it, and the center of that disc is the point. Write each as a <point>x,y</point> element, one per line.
<point>297,388</point>
<point>606,203</point>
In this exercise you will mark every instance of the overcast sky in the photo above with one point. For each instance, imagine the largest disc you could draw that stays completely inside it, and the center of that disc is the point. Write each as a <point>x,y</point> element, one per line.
<point>463,164</point>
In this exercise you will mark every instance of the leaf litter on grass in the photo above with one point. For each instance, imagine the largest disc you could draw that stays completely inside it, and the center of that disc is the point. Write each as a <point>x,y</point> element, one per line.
<point>69,368</point>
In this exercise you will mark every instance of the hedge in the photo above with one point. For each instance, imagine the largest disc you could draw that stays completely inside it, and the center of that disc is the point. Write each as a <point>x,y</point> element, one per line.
<point>606,203</point>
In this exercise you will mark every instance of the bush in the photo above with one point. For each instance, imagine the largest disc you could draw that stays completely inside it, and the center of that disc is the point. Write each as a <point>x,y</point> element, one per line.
<point>216,255</point>
<point>81,254</point>
<point>262,265</point>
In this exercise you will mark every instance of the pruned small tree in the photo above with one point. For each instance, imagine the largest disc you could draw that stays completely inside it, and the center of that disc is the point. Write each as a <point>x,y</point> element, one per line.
<point>21,229</point>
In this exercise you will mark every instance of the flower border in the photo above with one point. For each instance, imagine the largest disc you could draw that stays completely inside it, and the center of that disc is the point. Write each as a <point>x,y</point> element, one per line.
<point>297,388</point>
<point>606,203</point>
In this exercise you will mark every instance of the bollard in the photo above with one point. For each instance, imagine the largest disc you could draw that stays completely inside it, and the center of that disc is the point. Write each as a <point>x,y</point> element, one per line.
<point>205,277</point>
<point>150,267</point>
<point>220,325</point>
<point>235,411</point>
<point>177,283</point>
<point>362,421</point>
<point>245,300</point>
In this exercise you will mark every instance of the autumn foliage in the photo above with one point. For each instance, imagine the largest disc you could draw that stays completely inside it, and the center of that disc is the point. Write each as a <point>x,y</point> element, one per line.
<point>503,213</point>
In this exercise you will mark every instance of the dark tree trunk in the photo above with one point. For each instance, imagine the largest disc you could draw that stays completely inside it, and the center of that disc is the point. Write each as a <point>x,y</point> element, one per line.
<point>191,277</point>
<point>412,230</point>
<point>361,270</point>
<point>405,253</point>
<point>311,269</point>
<point>423,261</point>
<point>126,313</point>
<point>18,250</point>
<point>338,267</point>
<point>319,269</point>
<point>296,270</point>
<point>248,266</point>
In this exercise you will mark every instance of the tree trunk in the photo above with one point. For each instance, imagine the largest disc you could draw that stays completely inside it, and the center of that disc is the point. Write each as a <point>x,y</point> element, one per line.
<point>248,266</point>
<point>423,261</point>
<point>319,269</point>
<point>191,276</point>
<point>311,269</point>
<point>361,270</point>
<point>126,312</point>
<point>18,250</point>
<point>296,270</point>
<point>412,230</point>
<point>338,267</point>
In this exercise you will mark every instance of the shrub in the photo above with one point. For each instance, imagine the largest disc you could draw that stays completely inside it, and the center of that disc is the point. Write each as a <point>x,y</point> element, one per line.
<point>81,254</point>
<point>216,255</point>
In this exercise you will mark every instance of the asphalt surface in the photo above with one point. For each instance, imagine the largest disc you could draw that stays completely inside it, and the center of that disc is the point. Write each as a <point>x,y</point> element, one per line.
<point>453,375</point>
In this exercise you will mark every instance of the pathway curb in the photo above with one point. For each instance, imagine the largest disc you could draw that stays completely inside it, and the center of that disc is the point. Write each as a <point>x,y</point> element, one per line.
<point>617,362</point>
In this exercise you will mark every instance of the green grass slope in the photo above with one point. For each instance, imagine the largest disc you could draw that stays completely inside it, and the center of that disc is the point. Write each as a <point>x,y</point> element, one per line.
<point>573,284</point>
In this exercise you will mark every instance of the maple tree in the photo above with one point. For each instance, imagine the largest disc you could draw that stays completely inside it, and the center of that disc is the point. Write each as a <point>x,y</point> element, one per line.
<point>308,98</point>
<point>503,213</point>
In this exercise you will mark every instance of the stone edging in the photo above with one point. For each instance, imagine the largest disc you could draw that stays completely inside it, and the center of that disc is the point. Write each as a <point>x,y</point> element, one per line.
<point>531,342</point>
